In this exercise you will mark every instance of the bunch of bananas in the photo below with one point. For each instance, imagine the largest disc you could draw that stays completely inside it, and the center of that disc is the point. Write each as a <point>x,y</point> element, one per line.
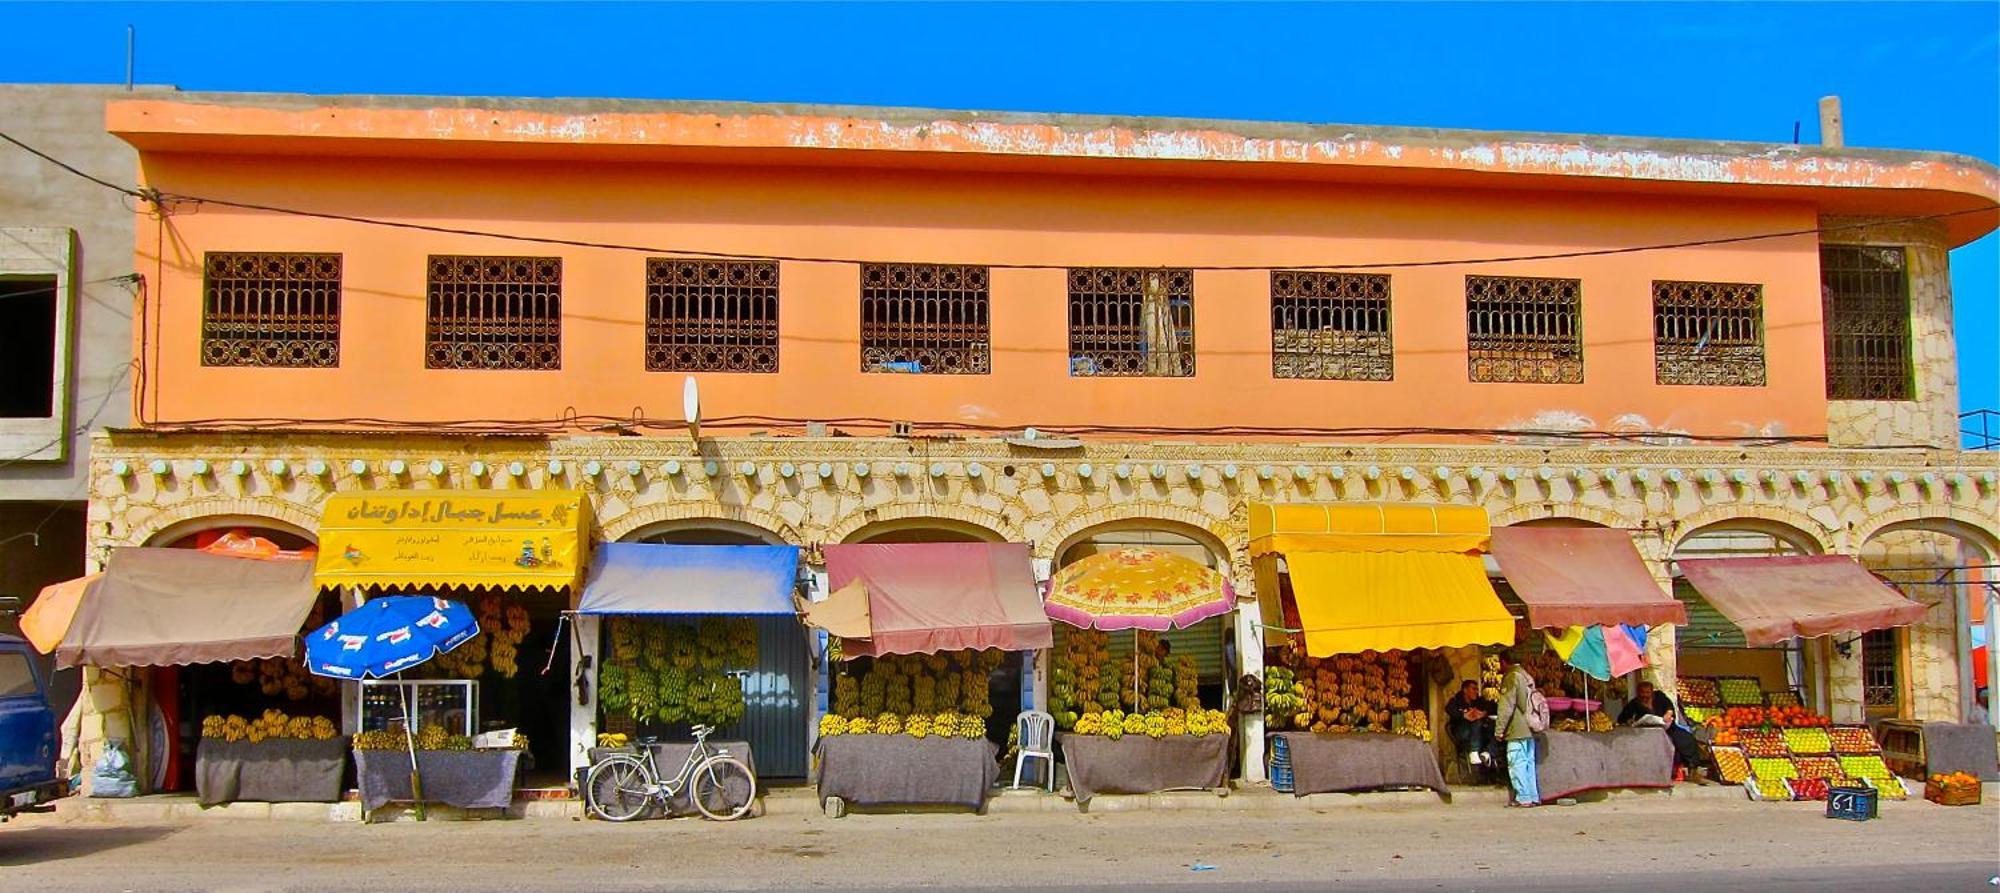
<point>277,676</point>
<point>379,739</point>
<point>613,739</point>
<point>271,724</point>
<point>889,724</point>
<point>832,724</point>
<point>917,726</point>
<point>432,737</point>
<point>1417,724</point>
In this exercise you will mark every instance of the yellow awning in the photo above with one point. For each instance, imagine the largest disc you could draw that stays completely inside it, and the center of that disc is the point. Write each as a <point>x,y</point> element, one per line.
<point>1369,576</point>
<point>1367,527</point>
<point>454,538</point>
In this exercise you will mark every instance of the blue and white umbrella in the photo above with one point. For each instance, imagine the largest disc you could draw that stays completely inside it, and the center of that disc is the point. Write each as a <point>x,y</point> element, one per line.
<point>388,635</point>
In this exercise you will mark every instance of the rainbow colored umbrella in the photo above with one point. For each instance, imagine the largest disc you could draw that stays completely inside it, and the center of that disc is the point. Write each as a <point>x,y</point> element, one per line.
<point>1602,652</point>
<point>1137,588</point>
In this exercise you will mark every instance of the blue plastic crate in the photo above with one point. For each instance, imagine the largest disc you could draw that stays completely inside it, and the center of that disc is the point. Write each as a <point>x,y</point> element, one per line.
<point>1853,804</point>
<point>1281,766</point>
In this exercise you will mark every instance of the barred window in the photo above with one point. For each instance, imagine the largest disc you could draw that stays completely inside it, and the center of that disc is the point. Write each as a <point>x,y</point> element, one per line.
<point>494,313</point>
<point>1521,329</point>
<point>711,316</point>
<point>1866,293</point>
<point>1879,660</point>
<point>1331,326</point>
<point>928,318</point>
<point>1131,321</point>
<point>261,309</point>
<point>1708,333</point>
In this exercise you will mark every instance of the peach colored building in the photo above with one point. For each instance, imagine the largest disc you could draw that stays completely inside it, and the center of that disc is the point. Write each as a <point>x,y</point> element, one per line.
<point>1720,347</point>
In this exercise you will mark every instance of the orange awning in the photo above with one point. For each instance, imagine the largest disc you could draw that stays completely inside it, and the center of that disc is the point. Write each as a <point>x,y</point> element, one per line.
<point>1582,576</point>
<point>45,621</point>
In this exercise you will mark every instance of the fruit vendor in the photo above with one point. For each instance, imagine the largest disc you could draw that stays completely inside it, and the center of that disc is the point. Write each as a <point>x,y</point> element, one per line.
<point>1650,701</point>
<point>1470,723</point>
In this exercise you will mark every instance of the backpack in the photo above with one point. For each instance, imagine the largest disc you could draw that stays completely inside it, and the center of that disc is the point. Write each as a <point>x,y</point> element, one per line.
<point>1538,711</point>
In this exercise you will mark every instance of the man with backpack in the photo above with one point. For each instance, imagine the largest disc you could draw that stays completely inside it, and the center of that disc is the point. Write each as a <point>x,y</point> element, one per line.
<point>1524,713</point>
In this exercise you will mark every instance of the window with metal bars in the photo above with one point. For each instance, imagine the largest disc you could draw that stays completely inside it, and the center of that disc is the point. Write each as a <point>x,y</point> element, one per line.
<point>266,309</point>
<point>1331,326</point>
<point>1131,321</point>
<point>1879,660</point>
<point>925,318</point>
<point>711,316</point>
<point>1708,333</point>
<point>1865,290</point>
<point>1521,329</point>
<point>494,312</point>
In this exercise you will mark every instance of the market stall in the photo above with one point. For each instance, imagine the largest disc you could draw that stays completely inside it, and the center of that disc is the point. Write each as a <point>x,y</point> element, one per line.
<point>515,559</point>
<point>1131,717</point>
<point>274,758</point>
<point>1589,593</point>
<point>1777,749</point>
<point>910,700</point>
<point>1356,601</point>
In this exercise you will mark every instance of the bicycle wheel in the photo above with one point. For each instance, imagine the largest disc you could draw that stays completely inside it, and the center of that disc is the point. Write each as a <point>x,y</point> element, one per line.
<point>618,789</point>
<point>723,788</point>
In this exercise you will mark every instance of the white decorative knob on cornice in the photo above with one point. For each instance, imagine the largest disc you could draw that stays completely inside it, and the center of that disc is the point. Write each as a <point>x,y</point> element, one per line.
<point>1442,473</point>
<point>1545,474</point>
<point>937,469</point>
<point>121,468</point>
<point>1864,477</point>
<point>1122,472</point>
<point>1229,472</point>
<point>1833,476</point>
<point>239,468</point>
<point>477,469</point>
<point>1928,478</point>
<point>1407,473</point>
<point>786,470</point>
<point>199,468</point>
<point>277,468</point>
<point>437,468</point>
<point>1048,471</point>
<point>1372,472</point>
<point>1476,473</point>
<point>1510,474</point>
<point>1086,472</point>
<point>672,468</point>
<point>516,469</point>
<point>1674,475</point>
<point>1159,471</point>
<point>357,467</point>
<point>593,468</point>
<point>159,467</point>
<point>1957,480</point>
<point>975,470</point>
<point>746,469</point>
<point>1988,478</point>
<point>555,467</point>
<point>1266,472</point>
<point>1711,476</point>
<point>1193,472</point>
<point>397,467</point>
<point>634,468</point>
<point>861,469</point>
<point>902,469</point>
<point>826,471</point>
<point>1802,477</point>
<point>1768,476</point>
<point>1898,477</point>
<point>316,468</point>
<point>1302,472</point>
<point>1642,475</point>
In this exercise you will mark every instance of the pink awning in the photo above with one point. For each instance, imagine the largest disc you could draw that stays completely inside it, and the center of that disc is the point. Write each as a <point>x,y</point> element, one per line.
<point>1582,576</point>
<point>930,597</point>
<point>1779,598</point>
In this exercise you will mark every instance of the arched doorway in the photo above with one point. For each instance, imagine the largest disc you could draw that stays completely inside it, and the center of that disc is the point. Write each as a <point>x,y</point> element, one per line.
<point>778,691</point>
<point>1929,671</point>
<point>1711,646</point>
<point>1211,643</point>
<point>178,698</point>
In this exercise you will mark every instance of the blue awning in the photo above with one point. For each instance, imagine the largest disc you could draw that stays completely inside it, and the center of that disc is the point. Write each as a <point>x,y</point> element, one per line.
<point>642,578</point>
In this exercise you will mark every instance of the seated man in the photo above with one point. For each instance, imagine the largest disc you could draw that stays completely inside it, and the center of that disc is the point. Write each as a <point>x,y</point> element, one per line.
<point>1650,701</point>
<point>1470,723</point>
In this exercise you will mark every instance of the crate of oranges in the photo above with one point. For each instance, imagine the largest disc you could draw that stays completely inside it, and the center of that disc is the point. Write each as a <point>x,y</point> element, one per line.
<point>1956,789</point>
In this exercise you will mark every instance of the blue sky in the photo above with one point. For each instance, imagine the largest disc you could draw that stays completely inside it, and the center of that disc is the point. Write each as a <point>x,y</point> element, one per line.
<point>1911,75</point>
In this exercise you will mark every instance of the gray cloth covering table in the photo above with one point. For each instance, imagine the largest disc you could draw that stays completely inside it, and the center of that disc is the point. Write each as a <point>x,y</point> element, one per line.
<point>276,770</point>
<point>898,770</point>
<point>1573,762</point>
<point>1961,747</point>
<point>1361,761</point>
<point>668,757</point>
<point>1137,764</point>
<point>468,779</point>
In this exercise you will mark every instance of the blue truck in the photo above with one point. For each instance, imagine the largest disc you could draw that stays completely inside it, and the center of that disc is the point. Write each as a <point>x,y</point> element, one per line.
<point>27,731</point>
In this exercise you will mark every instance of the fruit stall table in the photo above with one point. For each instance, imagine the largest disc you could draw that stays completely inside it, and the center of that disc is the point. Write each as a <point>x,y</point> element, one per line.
<point>1569,763</point>
<point>468,779</point>
<point>668,757</point>
<point>1361,761</point>
<point>1138,764</point>
<point>899,770</point>
<point>276,770</point>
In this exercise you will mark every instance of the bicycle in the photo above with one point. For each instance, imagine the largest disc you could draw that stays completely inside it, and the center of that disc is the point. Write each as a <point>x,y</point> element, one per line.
<point>622,786</point>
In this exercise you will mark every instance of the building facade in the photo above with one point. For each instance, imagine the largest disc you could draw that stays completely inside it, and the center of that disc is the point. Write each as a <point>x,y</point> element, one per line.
<point>1064,331</point>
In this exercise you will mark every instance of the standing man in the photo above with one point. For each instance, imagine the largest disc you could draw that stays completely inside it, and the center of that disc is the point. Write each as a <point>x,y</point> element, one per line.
<point>1516,710</point>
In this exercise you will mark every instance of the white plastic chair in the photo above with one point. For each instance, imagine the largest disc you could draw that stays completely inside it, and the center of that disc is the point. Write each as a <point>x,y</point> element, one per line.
<point>1038,742</point>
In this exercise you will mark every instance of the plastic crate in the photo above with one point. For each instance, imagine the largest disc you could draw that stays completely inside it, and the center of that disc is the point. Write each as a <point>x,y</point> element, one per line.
<point>1952,795</point>
<point>1852,804</point>
<point>1281,766</point>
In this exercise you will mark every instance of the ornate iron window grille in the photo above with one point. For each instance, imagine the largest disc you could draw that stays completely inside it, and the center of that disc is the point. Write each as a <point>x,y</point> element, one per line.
<point>263,309</point>
<point>1866,296</point>
<point>1878,669</point>
<point>1331,326</point>
<point>711,316</point>
<point>1708,333</point>
<point>494,313</point>
<point>1131,321</point>
<point>927,318</point>
<point>1527,330</point>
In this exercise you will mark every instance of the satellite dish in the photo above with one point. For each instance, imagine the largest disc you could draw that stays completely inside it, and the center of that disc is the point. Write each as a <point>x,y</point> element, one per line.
<point>691,407</point>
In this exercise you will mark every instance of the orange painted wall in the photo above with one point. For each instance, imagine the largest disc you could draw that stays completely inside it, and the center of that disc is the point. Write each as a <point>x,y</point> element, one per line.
<point>965,217</point>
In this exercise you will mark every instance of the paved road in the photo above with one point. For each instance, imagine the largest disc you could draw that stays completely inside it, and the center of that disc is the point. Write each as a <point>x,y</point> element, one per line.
<point>1652,846</point>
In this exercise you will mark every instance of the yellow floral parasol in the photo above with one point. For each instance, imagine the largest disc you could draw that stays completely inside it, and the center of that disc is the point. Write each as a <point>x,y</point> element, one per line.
<point>1137,588</point>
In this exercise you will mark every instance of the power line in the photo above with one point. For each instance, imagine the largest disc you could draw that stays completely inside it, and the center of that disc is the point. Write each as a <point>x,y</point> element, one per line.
<point>162,199</point>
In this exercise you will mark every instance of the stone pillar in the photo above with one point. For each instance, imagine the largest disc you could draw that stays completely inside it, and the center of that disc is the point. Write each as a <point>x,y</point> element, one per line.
<point>1930,418</point>
<point>1662,643</point>
<point>584,657</point>
<point>1250,662</point>
<point>1929,669</point>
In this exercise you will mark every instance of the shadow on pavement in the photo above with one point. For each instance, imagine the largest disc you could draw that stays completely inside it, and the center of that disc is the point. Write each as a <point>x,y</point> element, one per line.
<point>51,843</point>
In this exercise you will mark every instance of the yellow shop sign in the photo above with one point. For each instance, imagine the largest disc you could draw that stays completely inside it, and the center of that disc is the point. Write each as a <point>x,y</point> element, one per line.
<point>409,538</point>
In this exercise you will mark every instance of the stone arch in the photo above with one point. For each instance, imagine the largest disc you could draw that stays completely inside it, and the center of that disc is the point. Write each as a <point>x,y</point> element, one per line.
<point>1966,526</point>
<point>678,525</point>
<point>1540,511</point>
<point>758,522</point>
<point>1785,524</point>
<point>210,514</point>
<point>1216,533</point>
<point>965,519</point>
